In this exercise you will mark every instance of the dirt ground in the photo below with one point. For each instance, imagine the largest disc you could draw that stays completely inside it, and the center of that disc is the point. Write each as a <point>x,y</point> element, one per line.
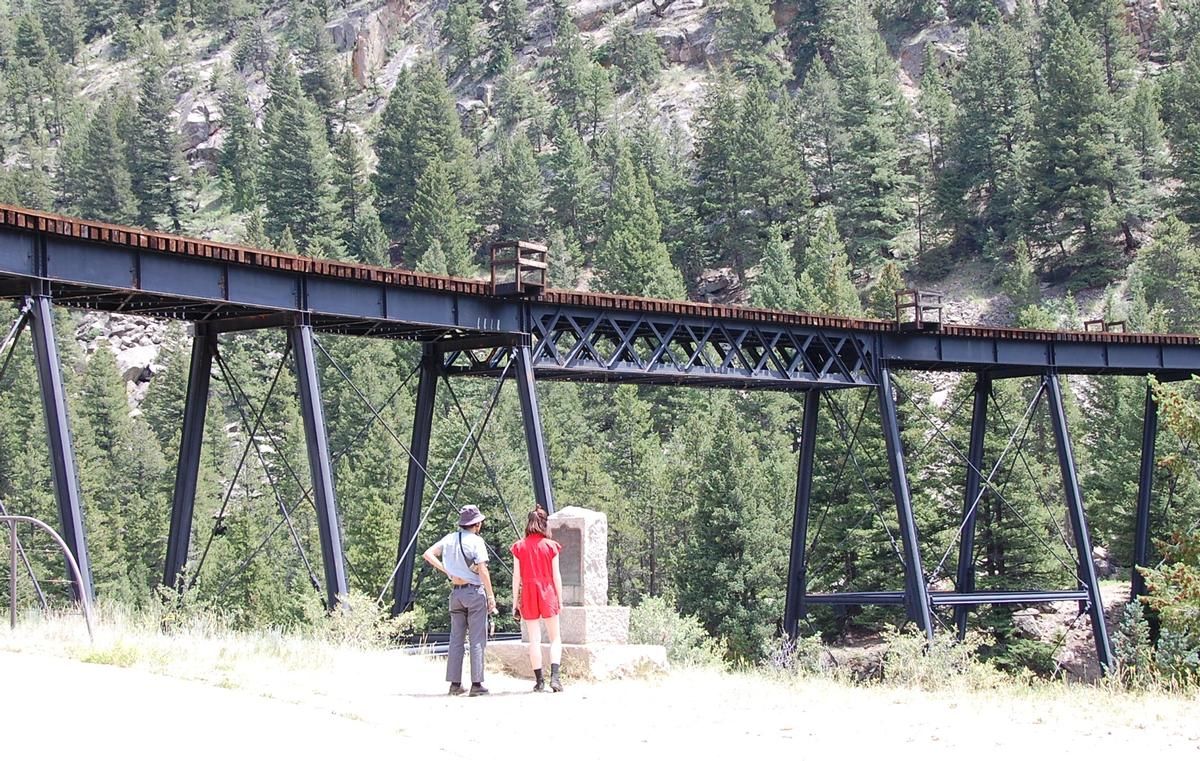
<point>386,702</point>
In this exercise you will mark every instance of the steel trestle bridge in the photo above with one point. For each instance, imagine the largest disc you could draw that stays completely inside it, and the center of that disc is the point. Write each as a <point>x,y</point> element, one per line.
<point>467,327</point>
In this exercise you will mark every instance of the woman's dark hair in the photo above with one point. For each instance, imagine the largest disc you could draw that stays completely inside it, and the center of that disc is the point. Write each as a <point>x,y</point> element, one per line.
<point>535,523</point>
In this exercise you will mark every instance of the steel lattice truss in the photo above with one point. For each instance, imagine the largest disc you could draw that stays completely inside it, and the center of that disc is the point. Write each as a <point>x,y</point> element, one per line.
<point>594,344</point>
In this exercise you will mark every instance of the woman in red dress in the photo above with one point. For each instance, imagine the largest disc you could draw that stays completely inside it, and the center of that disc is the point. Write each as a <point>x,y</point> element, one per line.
<point>537,585</point>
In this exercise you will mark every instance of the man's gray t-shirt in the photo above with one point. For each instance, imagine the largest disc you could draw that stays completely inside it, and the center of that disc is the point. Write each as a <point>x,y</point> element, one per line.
<point>473,548</point>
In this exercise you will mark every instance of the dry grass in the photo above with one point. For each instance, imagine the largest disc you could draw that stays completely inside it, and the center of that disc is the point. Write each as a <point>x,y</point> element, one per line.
<point>367,695</point>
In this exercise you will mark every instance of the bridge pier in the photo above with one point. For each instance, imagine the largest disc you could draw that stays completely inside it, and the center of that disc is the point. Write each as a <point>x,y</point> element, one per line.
<point>972,496</point>
<point>1078,520</point>
<point>1141,541</point>
<point>916,596</point>
<point>414,484</point>
<point>313,413</point>
<point>539,467</point>
<point>58,437</point>
<point>795,607</point>
<point>187,469</point>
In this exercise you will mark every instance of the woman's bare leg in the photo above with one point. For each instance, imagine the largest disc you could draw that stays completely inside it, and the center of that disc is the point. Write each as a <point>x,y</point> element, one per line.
<point>533,632</point>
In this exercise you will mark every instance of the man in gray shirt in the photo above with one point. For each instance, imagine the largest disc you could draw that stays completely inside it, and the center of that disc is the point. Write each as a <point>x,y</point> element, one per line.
<point>462,555</point>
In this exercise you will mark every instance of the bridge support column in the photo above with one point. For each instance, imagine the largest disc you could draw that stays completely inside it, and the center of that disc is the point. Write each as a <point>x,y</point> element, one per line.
<point>414,485</point>
<point>187,470</point>
<point>313,412</point>
<point>916,595</point>
<point>1079,527</point>
<point>795,607</point>
<point>973,495</point>
<point>1141,541</point>
<point>539,467</point>
<point>58,435</point>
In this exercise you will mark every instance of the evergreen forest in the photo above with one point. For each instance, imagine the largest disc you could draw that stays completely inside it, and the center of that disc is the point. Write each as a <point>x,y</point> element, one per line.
<point>1048,156</point>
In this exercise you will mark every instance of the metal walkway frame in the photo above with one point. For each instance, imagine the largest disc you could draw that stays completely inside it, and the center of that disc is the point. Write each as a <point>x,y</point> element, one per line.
<point>467,329</point>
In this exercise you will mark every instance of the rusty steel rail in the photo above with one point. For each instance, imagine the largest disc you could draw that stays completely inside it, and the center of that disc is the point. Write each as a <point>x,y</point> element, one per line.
<point>28,220</point>
<point>12,521</point>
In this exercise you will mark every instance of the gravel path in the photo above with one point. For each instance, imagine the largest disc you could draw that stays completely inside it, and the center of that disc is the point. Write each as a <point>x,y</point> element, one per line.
<point>390,703</point>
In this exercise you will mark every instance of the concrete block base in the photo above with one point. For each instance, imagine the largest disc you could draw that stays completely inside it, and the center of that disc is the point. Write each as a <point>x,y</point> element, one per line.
<point>593,624</point>
<point>591,662</point>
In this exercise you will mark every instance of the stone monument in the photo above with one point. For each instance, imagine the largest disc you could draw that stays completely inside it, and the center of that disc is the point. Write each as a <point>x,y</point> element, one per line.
<point>595,634</point>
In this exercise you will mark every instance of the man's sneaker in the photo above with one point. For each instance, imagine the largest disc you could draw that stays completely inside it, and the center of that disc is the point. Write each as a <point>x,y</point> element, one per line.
<point>477,689</point>
<point>555,684</point>
<point>456,688</point>
<point>539,686</point>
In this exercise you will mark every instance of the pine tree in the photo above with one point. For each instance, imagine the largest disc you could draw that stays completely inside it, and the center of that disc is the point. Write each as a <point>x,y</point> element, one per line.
<point>297,172</point>
<point>436,217</point>
<point>420,127</point>
<point>320,78</point>
<point>460,31</point>
<point>364,237</point>
<point>1106,21</point>
<point>242,147</point>
<point>873,187</point>
<point>982,184</point>
<point>105,191</point>
<point>881,301</point>
<point>631,257</point>
<point>746,33</point>
<point>509,27</point>
<point>63,25</point>
<point>819,114</point>
<point>520,192</point>
<point>1169,274</point>
<point>730,569</point>
<point>395,175</point>
<point>433,260</point>
<point>1185,138</point>
<point>716,202</point>
<point>156,161</point>
<point>573,195</point>
<point>825,284</point>
<point>30,43</point>
<point>1074,164</point>
<point>775,287</point>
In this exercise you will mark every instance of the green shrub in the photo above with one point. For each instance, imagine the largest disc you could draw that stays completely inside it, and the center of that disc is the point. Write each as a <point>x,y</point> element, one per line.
<point>803,656</point>
<point>656,622</point>
<point>1134,653</point>
<point>909,660</point>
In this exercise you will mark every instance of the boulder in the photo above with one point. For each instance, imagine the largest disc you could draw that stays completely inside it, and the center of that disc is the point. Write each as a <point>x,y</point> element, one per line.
<point>948,42</point>
<point>1007,8</point>
<point>1103,562</point>
<point>202,119</point>
<point>366,32</point>
<point>688,43</point>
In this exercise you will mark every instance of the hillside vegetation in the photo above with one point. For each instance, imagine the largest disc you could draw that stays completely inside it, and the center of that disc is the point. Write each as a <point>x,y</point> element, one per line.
<point>804,155</point>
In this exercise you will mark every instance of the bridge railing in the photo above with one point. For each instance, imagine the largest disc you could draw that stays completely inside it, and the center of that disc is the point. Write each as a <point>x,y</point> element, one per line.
<point>13,521</point>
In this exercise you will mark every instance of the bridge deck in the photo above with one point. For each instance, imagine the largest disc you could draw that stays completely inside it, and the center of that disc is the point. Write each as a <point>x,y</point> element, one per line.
<point>575,335</point>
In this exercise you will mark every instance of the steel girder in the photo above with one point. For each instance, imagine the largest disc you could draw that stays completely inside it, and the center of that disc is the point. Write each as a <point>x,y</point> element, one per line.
<point>1141,541</point>
<point>972,496</point>
<point>187,470</point>
<point>58,435</point>
<point>597,344</point>
<point>308,385</point>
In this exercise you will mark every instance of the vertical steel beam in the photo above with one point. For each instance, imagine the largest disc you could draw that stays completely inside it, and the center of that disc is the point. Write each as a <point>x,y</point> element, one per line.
<point>313,413</point>
<point>971,499</point>
<point>58,434</point>
<point>187,469</point>
<point>795,608</point>
<point>414,485</point>
<point>916,595</point>
<point>1079,527</point>
<point>1141,539</point>
<point>539,467</point>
